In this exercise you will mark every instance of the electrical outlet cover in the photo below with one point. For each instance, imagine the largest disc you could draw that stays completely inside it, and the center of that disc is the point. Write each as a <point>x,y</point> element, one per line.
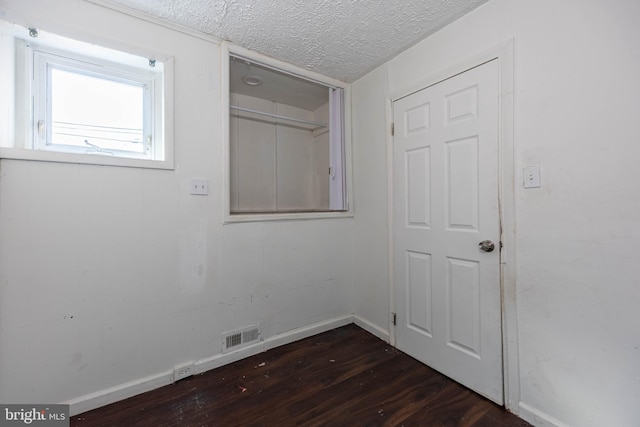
<point>199,186</point>
<point>183,371</point>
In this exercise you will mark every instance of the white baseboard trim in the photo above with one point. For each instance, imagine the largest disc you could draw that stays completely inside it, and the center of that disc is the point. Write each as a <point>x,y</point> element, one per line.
<point>209,363</point>
<point>142,385</point>
<point>537,417</point>
<point>117,393</point>
<point>307,331</point>
<point>288,337</point>
<point>372,328</point>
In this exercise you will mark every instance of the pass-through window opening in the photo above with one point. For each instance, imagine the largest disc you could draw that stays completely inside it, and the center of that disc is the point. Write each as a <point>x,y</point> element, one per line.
<point>286,141</point>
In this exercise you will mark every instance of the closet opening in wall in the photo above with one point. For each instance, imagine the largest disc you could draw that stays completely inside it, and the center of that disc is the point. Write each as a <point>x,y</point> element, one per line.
<point>286,142</point>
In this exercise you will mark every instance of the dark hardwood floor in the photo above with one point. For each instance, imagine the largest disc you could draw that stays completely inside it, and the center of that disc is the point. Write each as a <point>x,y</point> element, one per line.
<point>344,377</point>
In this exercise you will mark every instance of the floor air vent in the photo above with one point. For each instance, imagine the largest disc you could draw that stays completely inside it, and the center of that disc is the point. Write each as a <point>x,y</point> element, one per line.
<point>241,338</point>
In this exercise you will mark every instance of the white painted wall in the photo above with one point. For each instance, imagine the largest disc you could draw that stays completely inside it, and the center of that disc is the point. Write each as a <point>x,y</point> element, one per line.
<point>277,166</point>
<point>576,104</point>
<point>294,160</point>
<point>110,277</point>
<point>371,252</point>
<point>253,156</point>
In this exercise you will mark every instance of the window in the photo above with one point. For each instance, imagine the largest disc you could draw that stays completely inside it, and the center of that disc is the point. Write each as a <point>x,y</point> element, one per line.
<point>286,141</point>
<point>81,99</point>
<point>89,108</point>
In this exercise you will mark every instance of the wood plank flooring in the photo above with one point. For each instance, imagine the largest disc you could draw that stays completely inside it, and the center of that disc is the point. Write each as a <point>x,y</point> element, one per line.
<point>344,377</point>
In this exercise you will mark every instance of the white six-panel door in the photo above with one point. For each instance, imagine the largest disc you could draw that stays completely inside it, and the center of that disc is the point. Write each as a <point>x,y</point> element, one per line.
<point>446,287</point>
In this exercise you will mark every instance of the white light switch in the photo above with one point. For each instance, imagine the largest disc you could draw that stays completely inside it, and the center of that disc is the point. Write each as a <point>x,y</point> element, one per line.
<point>199,186</point>
<point>531,177</point>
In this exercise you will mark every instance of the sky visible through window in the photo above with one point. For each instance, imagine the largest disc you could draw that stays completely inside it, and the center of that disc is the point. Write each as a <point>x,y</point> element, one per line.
<point>96,113</point>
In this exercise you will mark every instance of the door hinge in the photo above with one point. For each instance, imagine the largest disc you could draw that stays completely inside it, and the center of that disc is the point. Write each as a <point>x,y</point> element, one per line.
<point>393,129</point>
<point>394,319</point>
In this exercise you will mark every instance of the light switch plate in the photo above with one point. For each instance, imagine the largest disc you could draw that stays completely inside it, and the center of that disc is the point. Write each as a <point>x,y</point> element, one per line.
<point>531,177</point>
<point>199,187</point>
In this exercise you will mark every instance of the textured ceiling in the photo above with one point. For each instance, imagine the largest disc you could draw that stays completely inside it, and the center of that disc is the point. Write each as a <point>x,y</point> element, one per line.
<point>343,39</point>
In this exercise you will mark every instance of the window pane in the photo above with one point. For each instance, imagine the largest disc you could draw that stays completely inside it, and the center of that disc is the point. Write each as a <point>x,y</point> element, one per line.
<point>92,112</point>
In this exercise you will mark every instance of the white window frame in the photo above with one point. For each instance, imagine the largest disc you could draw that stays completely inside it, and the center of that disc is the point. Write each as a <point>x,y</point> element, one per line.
<point>45,61</point>
<point>228,50</point>
<point>34,57</point>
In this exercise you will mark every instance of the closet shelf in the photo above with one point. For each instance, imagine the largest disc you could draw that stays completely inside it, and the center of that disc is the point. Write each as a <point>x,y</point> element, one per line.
<point>316,125</point>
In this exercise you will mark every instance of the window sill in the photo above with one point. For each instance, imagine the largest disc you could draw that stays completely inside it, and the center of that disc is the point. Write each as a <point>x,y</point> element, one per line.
<point>289,216</point>
<point>86,159</point>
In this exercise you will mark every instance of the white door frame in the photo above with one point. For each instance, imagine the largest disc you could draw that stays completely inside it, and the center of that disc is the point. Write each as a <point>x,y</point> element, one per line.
<point>505,55</point>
